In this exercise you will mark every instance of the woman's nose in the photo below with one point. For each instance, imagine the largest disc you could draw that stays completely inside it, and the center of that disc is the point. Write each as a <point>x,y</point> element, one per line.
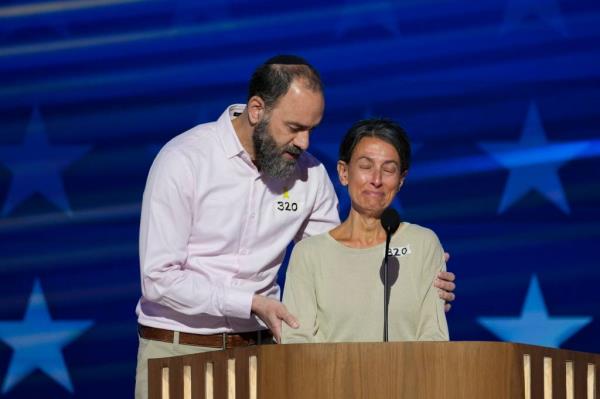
<point>376,177</point>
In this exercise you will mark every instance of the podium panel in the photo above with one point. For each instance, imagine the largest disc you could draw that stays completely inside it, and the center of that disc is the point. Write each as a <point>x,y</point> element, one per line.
<point>413,370</point>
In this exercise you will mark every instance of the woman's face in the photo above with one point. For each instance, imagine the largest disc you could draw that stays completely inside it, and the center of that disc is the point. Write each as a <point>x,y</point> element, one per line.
<point>373,176</point>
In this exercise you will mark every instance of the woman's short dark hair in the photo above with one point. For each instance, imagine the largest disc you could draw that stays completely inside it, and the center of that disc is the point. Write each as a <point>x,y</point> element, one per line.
<point>383,129</point>
<point>272,79</point>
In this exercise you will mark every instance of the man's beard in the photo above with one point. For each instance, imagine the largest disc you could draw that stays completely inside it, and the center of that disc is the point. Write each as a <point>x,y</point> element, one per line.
<point>269,157</point>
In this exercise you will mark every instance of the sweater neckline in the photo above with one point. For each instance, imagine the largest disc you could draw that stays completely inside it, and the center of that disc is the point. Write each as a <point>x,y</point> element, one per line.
<point>376,248</point>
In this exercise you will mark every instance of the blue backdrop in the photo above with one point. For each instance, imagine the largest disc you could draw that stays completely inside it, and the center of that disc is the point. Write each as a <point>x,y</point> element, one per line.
<point>500,98</point>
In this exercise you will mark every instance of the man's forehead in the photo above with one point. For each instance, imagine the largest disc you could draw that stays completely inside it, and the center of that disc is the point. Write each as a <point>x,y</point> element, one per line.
<point>303,109</point>
<point>301,84</point>
<point>300,94</point>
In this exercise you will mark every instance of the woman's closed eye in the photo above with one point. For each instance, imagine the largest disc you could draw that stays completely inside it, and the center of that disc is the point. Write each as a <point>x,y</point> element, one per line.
<point>391,169</point>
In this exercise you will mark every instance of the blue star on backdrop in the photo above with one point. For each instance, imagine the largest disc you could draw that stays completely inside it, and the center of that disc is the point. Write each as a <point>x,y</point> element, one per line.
<point>535,326</point>
<point>534,163</point>
<point>36,166</point>
<point>37,342</point>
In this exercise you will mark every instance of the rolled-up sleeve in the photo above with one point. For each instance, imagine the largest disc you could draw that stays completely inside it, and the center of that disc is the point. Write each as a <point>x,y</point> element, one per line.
<point>165,229</point>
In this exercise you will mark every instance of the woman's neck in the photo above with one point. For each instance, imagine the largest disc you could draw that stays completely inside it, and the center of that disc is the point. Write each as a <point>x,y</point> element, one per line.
<point>359,231</point>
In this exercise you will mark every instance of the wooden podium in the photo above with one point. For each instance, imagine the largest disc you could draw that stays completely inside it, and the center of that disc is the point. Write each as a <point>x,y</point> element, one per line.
<point>412,370</point>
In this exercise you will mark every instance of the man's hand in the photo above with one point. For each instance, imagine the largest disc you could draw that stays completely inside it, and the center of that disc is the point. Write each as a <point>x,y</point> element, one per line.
<point>272,312</point>
<point>445,284</point>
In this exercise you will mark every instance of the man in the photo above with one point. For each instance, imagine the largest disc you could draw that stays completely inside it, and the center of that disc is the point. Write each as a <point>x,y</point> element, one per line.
<point>222,202</point>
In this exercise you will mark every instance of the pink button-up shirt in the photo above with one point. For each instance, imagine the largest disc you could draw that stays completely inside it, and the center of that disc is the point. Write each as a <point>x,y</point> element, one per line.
<point>214,230</point>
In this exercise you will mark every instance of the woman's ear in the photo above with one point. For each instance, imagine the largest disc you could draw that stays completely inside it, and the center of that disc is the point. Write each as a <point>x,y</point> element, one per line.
<point>256,109</point>
<point>402,177</point>
<point>342,169</point>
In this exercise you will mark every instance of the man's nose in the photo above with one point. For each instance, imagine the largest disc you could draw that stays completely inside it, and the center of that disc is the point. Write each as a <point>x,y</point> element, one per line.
<point>302,140</point>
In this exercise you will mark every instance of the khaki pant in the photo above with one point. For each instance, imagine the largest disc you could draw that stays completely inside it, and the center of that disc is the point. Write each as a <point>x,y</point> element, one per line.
<point>149,349</point>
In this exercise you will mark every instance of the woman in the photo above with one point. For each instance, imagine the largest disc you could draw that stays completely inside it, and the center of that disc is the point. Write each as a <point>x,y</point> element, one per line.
<point>333,283</point>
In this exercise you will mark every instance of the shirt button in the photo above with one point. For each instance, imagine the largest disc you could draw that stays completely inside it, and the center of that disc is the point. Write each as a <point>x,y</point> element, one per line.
<point>252,215</point>
<point>244,251</point>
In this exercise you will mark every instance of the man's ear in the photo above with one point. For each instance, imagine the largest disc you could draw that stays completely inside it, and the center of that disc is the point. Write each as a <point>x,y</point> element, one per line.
<point>342,169</point>
<point>255,109</point>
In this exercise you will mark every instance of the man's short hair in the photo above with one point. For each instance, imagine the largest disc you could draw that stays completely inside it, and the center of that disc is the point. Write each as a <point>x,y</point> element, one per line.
<point>272,80</point>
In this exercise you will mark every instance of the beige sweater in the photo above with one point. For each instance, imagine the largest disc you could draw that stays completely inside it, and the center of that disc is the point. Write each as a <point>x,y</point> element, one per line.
<point>336,292</point>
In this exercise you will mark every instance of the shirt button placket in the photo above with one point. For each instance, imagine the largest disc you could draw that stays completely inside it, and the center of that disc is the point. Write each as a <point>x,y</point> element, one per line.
<point>244,244</point>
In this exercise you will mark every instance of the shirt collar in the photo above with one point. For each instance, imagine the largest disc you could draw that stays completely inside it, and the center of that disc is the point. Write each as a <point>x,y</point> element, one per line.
<point>229,139</point>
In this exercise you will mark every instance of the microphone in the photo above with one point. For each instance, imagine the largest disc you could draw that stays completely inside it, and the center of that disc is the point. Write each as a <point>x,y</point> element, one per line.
<point>390,220</point>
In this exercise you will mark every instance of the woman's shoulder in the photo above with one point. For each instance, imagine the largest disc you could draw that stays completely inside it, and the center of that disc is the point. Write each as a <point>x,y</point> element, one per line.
<point>308,253</point>
<point>417,232</point>
<point>312,242</point>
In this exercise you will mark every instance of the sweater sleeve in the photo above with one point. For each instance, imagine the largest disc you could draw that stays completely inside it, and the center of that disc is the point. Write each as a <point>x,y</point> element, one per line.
<point>432,325</point>
<point>299,296</point>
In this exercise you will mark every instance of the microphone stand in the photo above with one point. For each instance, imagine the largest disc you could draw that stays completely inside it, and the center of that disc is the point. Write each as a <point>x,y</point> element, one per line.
<point>386,292</point>
<point>390,220</point>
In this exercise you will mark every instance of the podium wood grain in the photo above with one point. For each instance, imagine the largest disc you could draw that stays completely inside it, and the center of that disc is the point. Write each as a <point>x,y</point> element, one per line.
<point>412,370</point>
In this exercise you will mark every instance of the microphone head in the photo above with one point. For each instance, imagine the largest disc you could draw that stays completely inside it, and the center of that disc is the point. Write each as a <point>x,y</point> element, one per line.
<point>390,220</point>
